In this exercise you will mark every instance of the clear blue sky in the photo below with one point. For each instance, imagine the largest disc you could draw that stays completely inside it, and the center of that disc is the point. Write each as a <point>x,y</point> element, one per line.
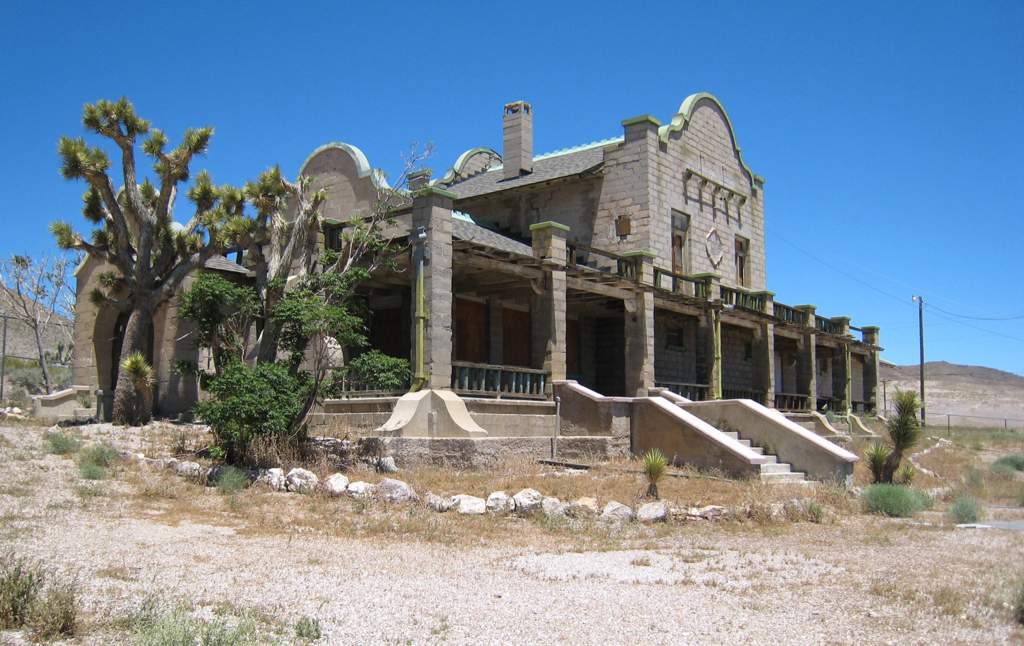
<point>890,134</point>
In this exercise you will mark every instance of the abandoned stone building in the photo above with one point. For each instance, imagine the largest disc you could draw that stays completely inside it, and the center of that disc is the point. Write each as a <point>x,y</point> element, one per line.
<point>602,298</point>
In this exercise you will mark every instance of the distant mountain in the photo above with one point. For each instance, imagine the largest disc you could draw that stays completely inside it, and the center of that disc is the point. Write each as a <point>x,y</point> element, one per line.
<point>962,391</point>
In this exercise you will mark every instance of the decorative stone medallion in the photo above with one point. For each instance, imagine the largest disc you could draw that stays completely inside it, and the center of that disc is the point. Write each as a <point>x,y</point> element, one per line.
<point>714,247</point>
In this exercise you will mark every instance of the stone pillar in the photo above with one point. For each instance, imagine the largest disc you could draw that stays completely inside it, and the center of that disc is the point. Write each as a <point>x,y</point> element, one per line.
<point>432,211</point>
<point>495,331</point>
<point>547,315</point>
<point>764,362</point>
<point>871,367</point>
<point>711,322</point>
<point>807,360</point>
<point>842,382</point>
<point>639,327</point>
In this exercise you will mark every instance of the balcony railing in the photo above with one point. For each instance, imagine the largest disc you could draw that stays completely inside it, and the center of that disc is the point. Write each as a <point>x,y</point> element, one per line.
<point>485,380</point>
<point>600,260</point>
<point>753,301</point>
<point>828,326</point>
<point>862,407</point>
<point>680,284</point>
<point>353,388</point>
<point>693,392</point>
<point>828,404</point>
<point>743,393</point>
<point>790,401</point>
<point>790,315</point>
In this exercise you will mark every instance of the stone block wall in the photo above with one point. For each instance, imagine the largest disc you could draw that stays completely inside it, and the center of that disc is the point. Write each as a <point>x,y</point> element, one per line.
<point>737,368</point>
<point>674,362</point>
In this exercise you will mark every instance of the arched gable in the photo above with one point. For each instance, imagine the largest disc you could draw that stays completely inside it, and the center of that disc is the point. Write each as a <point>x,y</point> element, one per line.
<point>469,163</point>
<point>345,173</point>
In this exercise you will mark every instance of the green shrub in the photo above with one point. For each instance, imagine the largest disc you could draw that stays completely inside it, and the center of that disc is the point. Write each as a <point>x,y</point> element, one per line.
<point>91,471</point>
<point>154,626</point>
<point>1015,462</point>
<point>875,456</point>
<point>21,582</point>
<point>895,500</point>
<point>1003,471</point>
<point>965,509</point>
<point>55,614</point>
<point>374,370</point>
<point>57,443</point>
<point>94,460</point>
<point>248,402</point>
<point>308,629</point>
<point>231,480</point>
<point>655,464</point>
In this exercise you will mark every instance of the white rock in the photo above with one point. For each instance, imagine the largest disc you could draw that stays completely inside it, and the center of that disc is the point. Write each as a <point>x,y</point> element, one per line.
<point>714,512</point>
<point>582,508</point>
<point>527,501</point>
<point>616,512</point>
<point>652,512</point>
<point>393,490</point>
<point>439,504</point>
<point>387,465</point>
<point>273,478</point>
<point>301,480</point>
<point>188,469</point>
<point>465,504</point>
<point>360,489</point>
<point>553,507</point>
<point>336,484</point>
<point>499,503</point>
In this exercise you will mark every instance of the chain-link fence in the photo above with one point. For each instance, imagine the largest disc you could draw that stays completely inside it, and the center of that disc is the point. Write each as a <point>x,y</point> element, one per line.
<point>954,420</point>
<point>20,374</point>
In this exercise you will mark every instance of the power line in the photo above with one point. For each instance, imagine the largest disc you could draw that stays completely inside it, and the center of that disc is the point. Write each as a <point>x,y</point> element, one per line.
<point>978,318</point>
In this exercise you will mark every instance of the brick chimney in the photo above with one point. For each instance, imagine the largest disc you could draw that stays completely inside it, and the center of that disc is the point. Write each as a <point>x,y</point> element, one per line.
<point>517,127</point>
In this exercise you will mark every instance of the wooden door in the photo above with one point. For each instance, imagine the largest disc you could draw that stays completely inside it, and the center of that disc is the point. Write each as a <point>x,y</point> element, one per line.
<point>515,338</point>
<point>470,331</point>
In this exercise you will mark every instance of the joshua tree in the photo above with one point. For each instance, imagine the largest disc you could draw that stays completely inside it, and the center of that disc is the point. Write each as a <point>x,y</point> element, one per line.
<point>904,431</point>
<point>140,375</point>
<point>148,253</point>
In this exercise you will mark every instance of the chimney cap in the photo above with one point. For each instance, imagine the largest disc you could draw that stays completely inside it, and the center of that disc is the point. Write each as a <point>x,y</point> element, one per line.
<point>516,106</point>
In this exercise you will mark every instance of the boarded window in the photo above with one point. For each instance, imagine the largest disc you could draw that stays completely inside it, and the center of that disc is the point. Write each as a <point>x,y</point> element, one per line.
<point>515,338</point>
<point>680,246</point>
<point>742,261</point>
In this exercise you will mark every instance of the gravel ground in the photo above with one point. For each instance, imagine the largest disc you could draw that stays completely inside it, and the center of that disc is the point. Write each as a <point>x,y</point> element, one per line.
<point>705,583</point>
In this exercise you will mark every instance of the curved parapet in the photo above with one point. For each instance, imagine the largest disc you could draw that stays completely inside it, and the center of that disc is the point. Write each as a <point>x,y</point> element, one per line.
<point>681,120</point>
<point>469,163</point>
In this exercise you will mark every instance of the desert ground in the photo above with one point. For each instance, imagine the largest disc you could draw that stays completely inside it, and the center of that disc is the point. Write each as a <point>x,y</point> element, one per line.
<point>149,552</point>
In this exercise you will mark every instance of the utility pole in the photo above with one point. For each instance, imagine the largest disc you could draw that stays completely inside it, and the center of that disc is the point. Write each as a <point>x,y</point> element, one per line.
<point>920,336</point>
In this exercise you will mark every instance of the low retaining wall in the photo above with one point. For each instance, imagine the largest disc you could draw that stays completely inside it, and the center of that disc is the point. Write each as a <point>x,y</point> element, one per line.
<point>513,418</point>
<point>60,405</point>
<point>490,451</point>
<point>585,412</point>
<point>352,417</point>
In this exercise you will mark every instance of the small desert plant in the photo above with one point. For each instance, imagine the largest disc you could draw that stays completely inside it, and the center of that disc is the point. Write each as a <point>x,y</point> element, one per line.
<point>94,460</point>
<point>1015,462</point>
<point>965,509</point>
<point>655,464</point>
<point>231,480</point>
<point>904,430</point>
<point>55,613</point>
<point>308,629</point>
<point>141,375</point>
<point>975,479</point>
<point>905,476</point>
<point>1003,471</point>
<point>20,584</point>
<point>58,443</point>
<point>894,500</point>
<point>85,400</point>
<point>876,456</point>
<point>815,512</point>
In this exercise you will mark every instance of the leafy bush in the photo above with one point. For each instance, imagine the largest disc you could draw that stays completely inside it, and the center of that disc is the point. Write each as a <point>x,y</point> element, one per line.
<point>94,460</point>
<point>894,500</point>
<point>21,582</point>
<point>57,443</point>
<point>231,480</point>
<point>875,456</point>
<point>250,402</point>
<point>1015,462</point>
<point>222,311</point>
<point>655,464</point>
<point>308,629</point>
<point>373,370</point>
<point>965,509</point>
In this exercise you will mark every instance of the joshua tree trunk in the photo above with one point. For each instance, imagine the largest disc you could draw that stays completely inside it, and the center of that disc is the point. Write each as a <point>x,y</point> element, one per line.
<point>42,361</point>
<point>125,400</point>
<point>892,464</point>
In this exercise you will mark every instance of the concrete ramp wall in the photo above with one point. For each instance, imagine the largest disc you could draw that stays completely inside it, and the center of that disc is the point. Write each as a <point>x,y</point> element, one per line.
<point>769,429</point>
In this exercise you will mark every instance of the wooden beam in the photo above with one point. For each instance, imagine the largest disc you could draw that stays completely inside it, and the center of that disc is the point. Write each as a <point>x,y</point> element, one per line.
<point>490,264</point>
<point>573,282</point>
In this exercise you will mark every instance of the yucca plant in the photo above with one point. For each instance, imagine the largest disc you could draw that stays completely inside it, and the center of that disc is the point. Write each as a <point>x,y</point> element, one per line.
<point>904,430</point>
<point>905,476</point>
<point>876,456</point>
<point>655,464</point>
<point>140,373</point>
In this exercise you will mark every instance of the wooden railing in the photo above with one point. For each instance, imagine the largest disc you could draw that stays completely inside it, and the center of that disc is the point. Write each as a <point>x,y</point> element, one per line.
<point>828,403</point>
<point>791,315</point>
<point>680,284</point>
<point>743,393</point>
<point>693,392</point>
<point>600,260</point>
<point>755,302</point>
<point>353,388</point>
<point>861,407</point>
<point>487,380</point>
<point>827,326</point>
<point>790,401</point>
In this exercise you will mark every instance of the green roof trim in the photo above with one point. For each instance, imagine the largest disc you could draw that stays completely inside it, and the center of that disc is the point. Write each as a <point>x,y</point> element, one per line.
<point>681,119</point>
<point>643,118</point>
<point>705,274</point>
<point>638,254</point>
<point>427,191</point>
<point>548,225</point>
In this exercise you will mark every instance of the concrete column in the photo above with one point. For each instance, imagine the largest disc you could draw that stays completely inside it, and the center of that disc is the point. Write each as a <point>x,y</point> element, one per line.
<point>432,211</point>
<point>547,314</point>
<point>807,360</point>
<point>871,367</point>
<point>764,362</point>
<point>639,327</point>
<point>711,322</point>
<point>842,383</point>
<point>495,331</point>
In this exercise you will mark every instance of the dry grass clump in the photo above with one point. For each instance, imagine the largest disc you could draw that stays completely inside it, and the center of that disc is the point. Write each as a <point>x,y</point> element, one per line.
<point>30,597</point>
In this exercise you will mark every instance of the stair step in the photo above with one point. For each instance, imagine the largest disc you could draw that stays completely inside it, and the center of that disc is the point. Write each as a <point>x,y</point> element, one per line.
<point>745,442</point>
<point>732,434</point>
<point>777,467</point>
<point>770,458</point>
<point>758,450</point>
<point>791,476</point>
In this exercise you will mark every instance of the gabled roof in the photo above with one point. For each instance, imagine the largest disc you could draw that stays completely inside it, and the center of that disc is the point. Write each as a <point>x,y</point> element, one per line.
<point>220,263</point>
<point>464,228</point>
<point>553,165</point>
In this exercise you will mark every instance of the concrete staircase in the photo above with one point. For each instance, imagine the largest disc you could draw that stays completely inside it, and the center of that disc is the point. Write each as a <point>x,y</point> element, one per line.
<point>772,471</point>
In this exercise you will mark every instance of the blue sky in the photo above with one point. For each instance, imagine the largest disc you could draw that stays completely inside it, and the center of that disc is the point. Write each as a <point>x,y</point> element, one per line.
<point>890,134</point>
